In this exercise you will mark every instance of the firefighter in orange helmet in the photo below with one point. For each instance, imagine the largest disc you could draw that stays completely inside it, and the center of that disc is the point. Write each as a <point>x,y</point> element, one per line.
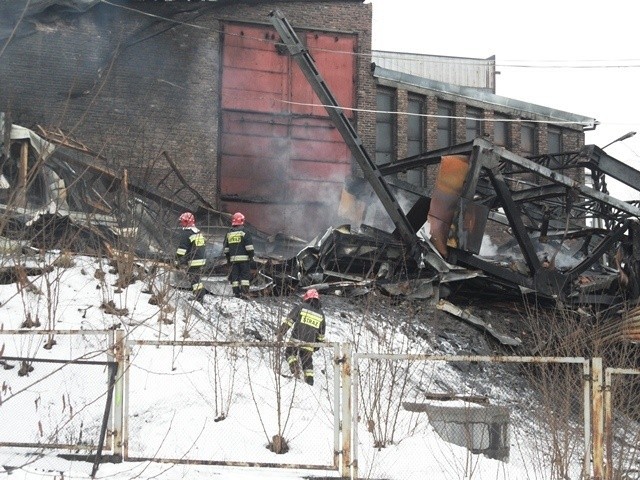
<point>191,251</point>
<point>238,248</point>
<point>307,323</point>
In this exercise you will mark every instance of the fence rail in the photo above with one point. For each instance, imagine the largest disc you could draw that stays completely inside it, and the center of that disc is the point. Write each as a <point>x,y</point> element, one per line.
<point>479,429</point>
<point>256,366</point>
<point>140,389</point>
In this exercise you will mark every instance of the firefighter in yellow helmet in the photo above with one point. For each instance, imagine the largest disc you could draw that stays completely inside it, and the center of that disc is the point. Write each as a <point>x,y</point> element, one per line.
<point>238,248</point>
<point>307,323</point>
<point>191,251</point>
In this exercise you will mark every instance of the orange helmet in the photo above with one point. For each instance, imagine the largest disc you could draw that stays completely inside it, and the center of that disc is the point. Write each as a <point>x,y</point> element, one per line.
<point>187,219</point>
<point>309,294</point>
<point>237,219</point>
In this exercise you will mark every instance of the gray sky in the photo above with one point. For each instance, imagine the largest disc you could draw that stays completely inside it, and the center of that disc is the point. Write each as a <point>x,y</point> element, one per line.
<point>582,57</point>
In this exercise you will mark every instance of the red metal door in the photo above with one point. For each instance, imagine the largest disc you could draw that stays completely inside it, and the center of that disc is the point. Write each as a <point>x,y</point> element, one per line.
<point>282,163</point>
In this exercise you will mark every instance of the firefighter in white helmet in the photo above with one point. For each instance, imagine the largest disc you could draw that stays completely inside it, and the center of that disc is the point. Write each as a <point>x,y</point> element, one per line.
<point>307,323</point>
<point>238,248</point>
<point>191,251</point>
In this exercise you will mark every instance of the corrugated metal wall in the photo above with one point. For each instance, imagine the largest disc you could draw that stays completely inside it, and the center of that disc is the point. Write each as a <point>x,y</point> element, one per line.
<point>282,164</point>
<point>461,71</point>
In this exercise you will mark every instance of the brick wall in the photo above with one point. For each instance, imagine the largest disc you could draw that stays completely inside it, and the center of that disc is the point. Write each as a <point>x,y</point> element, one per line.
<point>130,86</point>
<point>572,139</point>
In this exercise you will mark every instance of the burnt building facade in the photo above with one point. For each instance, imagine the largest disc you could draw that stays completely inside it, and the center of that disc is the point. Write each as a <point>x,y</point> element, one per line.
<point>209,85</point>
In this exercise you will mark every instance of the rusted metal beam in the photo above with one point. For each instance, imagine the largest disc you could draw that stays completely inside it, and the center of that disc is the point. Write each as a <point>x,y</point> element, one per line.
<point>556,177</point>
<point>302,57</point>
<point>514,215</point>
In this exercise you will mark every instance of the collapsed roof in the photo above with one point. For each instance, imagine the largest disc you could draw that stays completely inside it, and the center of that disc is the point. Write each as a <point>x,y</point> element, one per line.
<point>495,224</point>
<point>572,243</point>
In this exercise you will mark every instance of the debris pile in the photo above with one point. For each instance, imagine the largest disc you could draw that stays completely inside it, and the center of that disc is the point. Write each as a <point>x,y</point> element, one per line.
<point>494,225</point>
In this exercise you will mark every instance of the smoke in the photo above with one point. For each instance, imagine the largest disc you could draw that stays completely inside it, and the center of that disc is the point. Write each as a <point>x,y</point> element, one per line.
<point>19,17</point>
<point>488,248</point>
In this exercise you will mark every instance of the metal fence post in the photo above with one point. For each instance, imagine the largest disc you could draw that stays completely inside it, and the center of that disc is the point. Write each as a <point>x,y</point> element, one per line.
<point>608,421</point>
<point>111,357</point>
<point>118,413</point>
<point>586,406</point>
<point>597,428</point>
<point>337,414</point>
<point>345,468</point>
<point>609,372</point>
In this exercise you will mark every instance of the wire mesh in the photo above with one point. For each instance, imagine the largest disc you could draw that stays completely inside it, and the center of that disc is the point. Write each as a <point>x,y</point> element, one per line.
<point>623,442</point>
<point>229,404</point>
<point>56,401</point>
<point>519,420</point>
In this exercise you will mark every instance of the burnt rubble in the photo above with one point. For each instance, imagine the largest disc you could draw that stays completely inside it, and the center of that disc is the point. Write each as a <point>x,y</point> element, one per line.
<point>494,226</point>
<point>574,244</point>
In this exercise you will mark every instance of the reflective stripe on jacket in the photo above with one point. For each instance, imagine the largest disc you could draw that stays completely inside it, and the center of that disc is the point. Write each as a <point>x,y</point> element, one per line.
<point>238,245</point>
<point>191,249</point>
<point>307,324</point>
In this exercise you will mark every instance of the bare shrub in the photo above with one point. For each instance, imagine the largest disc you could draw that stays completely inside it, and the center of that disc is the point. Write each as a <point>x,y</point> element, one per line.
<point>566,332</point>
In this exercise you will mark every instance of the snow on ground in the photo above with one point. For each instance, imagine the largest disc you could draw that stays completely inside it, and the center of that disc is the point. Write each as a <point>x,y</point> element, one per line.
<point>196,402</point>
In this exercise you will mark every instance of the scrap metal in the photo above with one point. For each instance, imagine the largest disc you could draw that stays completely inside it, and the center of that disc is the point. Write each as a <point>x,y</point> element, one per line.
<point>552,212</point>
<point>478,322</point>
<point>555,237</point>
<point>573,243</point>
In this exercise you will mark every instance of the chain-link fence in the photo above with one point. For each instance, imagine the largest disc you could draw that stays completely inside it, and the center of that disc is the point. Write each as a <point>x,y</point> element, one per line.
<point>55,389</point>
<point>471,417</point>
<point>236,403</point>
<point>622,423</point>
<point>226,403</point>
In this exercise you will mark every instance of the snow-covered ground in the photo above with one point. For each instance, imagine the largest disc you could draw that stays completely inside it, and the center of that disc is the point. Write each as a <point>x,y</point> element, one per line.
<point>191,401</point>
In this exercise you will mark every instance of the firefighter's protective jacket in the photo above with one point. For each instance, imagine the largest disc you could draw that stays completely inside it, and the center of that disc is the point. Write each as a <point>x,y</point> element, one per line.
<point>307,324</point>
<point>238,245</point>
<point>191,249</point>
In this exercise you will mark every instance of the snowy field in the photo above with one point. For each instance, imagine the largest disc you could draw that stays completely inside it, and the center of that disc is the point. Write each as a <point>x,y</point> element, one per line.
<point>189,401</point>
